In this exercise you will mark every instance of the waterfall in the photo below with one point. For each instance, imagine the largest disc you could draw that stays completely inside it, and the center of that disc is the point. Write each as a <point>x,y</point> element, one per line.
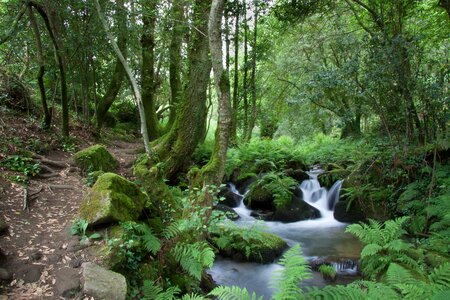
<point>241,210</point>
<point>319,197</point>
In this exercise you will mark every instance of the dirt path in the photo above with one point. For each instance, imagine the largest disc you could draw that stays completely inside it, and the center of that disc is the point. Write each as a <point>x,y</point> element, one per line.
<point>42,257</point>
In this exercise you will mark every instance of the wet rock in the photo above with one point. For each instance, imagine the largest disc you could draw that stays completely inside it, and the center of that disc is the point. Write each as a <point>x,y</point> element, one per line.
<point>229,212</point>
<point>297,174</point>
<point>103,284</point>
<point>244,181</point>
<point>67,282</point>
<point>264,247</point>
<point>297,210</point>
<point>353,215</point>
<point>262,215</point>
<point>112,199</point>
<point>230,198</point>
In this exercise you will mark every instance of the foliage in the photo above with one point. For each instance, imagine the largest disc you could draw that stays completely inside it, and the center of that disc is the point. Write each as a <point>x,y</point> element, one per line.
<point>327,270</point>
<point>92,177</point>
<point>383,247</point>
<point>79,227</point>
<point>296,269</point>
<point>21,164</point>
<point>278,185</point>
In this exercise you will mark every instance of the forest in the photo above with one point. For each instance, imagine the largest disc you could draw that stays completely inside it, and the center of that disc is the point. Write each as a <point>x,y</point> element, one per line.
<point>224,149</point>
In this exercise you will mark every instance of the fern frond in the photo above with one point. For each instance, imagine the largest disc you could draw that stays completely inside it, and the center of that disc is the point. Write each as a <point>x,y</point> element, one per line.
<point>192,297</point>
<point>193,258</point>
<point>370,249</point>
<point>171,231</point>
<point>296,269</point>
<point>441,275</point>
<point>397,274</point>
<point>153,291</point>
<point>150,241</point>
<point>233,293</point>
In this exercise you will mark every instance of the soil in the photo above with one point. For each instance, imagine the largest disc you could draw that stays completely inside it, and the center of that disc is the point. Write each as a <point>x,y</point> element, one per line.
<point>40,255</point>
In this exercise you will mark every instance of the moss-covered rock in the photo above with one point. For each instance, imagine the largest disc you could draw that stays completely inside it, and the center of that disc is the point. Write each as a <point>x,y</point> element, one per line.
<point>296,210</point>
<point>242,244</point>
<point>150,178</point>
<point>95,158</point>
<point>353,214</point>
<point>259,197</point>
<point>111,199</point>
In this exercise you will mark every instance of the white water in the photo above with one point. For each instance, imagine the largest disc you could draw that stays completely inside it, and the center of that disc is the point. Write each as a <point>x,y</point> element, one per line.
<point>322,237</point>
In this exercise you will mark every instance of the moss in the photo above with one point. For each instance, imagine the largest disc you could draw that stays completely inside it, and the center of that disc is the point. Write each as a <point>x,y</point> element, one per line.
<point>95,158</point>
<point>248,244</point>
<point>160,196</point>
<point>112,198</point>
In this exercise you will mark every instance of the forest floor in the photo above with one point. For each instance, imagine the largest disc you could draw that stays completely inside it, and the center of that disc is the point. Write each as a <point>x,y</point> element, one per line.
<point>40,255</point>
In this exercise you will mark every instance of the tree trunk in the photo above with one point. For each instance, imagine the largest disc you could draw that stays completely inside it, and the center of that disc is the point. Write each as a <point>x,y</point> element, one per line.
<point>41,73</point>
<point>177,146</point>
<point>213,171</point>
<point>252,119</point>
<point>136,91</point>
<point>54,32</point>
<point>244,84</point>
<point>148,68</point>
<point>119,72</point>
<point>233,139</point>
<point>175,60</point>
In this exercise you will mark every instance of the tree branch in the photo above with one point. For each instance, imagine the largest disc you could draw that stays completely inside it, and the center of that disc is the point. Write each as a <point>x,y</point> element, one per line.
<point>12,30</point>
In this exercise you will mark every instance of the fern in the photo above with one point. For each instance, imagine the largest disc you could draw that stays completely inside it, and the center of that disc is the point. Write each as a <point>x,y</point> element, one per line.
<point>150,241</point>
<point>233,293</point>
<point>296,269</point>
<point>193,258</point>
<point>153,291</point>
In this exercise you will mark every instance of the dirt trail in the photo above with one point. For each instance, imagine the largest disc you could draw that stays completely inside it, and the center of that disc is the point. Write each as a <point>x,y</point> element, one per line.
<point>41,255</point>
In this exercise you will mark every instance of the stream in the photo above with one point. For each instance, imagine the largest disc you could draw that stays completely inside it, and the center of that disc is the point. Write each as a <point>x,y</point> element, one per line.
<point>322,238</point>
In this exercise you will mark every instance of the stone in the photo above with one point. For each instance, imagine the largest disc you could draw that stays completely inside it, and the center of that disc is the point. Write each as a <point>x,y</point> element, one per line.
<point>4,275</point>
<point>244,181</point>
<point>354,215</point>
<point>100,283</point>
<point>229,212</point>
<point>29,273</point>
<point>112,199</point>
<point>95,158</point>
<point>264,247</point>
<point>68,282</point>
<point>297,210</point>
<point>230,199</point>
<point>297,174</point>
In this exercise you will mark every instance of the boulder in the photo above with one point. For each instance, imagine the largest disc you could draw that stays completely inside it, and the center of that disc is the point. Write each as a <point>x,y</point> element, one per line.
<point>95,158</point>
<point>244,181</point>
<point>100,283</point>
<point>67,282</point>
<point>297,174</point>
<point>229,212</point>
<point>353,215</point>
<point>259,198</point>
<point>112,199</point>
<point>249,245</point>
<point>230,199</point>
<point>297,210</point>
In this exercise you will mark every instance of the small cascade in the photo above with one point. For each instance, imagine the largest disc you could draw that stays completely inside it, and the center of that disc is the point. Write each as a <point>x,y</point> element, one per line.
<point>348,267</point>
<point>241,210</point>
<point>319,197</point>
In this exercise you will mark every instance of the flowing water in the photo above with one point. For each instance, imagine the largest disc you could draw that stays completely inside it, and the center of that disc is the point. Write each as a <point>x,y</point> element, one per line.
<point>320,238</point>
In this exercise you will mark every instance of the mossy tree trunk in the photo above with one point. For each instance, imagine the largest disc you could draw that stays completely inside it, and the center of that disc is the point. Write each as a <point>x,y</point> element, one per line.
<point>212,172</point>
<point>118,76</point>
<point>233,139</point>
<point>148,67</point>
<point>245,79</point>
<point>178,29</point>
<point>176,147</point>
<point>252,119</point>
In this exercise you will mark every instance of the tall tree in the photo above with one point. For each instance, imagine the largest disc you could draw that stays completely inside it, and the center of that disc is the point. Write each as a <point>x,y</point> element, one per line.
<point>148,85</point>
<point>118,75</point>
<point>213,171</point>
<point>252,119</point>
<point>236,10</point>
<point>176,147</point>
